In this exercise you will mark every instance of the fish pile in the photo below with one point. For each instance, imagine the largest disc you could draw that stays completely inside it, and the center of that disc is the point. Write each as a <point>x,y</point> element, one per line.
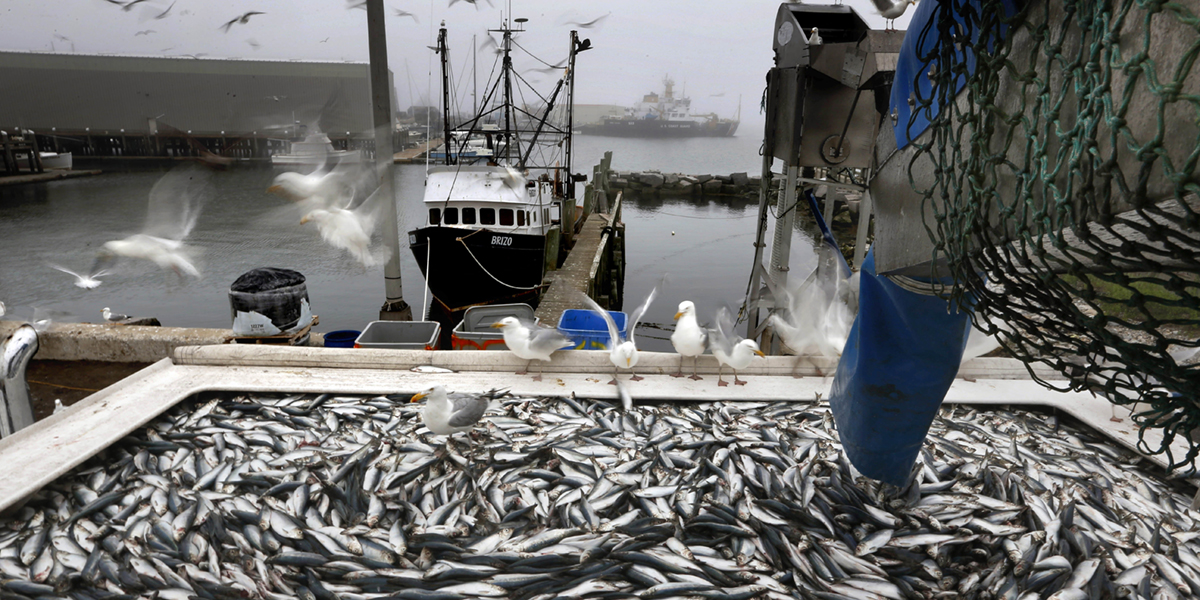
<point>344,497</point>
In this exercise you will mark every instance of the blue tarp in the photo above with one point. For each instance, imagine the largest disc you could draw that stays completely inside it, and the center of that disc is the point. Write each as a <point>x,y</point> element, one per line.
<point>903,352</point>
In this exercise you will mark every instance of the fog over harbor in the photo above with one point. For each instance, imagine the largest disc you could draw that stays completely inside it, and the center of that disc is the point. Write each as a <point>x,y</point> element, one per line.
<point>715,51</point>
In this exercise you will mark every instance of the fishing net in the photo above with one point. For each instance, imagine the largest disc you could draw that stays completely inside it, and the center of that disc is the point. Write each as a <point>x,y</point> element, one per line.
<point>1062,188</point>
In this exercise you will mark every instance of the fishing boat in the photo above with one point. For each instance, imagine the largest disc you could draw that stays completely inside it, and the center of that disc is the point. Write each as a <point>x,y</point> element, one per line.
<point>665,116</point>
<point>498,194</point>
<point>315,150</point>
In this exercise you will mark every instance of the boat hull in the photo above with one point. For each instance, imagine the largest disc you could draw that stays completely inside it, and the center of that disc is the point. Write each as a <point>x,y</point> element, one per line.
<point>479,266</point>
<point>657,128</point>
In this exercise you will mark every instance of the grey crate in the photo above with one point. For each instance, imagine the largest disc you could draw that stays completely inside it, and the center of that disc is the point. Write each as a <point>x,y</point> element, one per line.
<point>399,335</point>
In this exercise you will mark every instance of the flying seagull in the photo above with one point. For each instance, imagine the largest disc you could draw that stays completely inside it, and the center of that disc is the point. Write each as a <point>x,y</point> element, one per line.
<point>589,24</point>
<point>128,6</point>
<point>144,32</point>
<point>163,14</point>
<point>86,281</point>
<point>405,13</point>
<point>243,19</point>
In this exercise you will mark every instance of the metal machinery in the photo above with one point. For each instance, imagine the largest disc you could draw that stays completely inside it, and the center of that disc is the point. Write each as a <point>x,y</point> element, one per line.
<point>825,99</point>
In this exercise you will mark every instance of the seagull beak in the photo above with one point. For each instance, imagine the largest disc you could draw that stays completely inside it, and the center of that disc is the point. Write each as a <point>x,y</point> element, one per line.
<point>418,397</point>
<point>760,353</point>
<point>275,189</point>
<point>677,315</point>
<point>304,219</point>
<point>497,325</point>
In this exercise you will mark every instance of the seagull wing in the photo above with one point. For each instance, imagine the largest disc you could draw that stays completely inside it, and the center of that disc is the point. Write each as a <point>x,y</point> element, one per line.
<point>466,409</point>
<point>175,202</point>
<point>724,336</point>
<point>546,340</point>
<point>614,335</point>
<point>637,314</point>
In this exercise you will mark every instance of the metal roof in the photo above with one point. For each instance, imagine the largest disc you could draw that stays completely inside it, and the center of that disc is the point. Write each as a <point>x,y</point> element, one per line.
<point>72,92</point>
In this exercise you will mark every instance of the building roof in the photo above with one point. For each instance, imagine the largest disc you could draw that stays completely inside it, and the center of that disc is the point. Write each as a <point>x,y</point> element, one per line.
<point>72,92</point>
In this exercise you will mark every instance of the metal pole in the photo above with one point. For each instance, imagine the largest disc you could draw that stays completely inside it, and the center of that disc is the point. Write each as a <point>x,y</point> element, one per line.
<point>394,307</point>
<point>786,218</point>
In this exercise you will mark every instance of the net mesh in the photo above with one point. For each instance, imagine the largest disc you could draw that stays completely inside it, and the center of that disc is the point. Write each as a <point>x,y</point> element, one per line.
<point>1062,187</point>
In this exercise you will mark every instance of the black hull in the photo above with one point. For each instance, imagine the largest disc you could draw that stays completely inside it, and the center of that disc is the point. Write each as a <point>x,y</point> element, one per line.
<point>655,128</point>
<point>465,272</point>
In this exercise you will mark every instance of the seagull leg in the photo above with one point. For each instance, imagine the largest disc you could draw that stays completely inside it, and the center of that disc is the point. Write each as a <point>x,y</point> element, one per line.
<point>722,382</point>
<point>695,377</point>
<point>635,375</point>
<point>538,377</point>
<point>526,371</point>
<point>614,379</point>
<point>680,373</point>
<point>737,381</point>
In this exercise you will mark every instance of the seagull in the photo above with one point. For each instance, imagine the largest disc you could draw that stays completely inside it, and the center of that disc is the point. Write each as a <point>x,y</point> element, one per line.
<point>112,317</point>
<point>814,38</point>
<point>689,338</point>
<point>243,19</point>
<point>891,10</point>
<point>144,32</point>
<point>58,406</point>
<point>529,341</point>
<point>589,24</point>
<point>163,14</point>
<point>474,3</point>
<point>3,309</point>
<point>447,414</point>
<point>513,178</point>
<point>128,6</point>
<point>405,13</point>
<point>344,202</point>
<point>86,281</point>
<point>174,206</point>
<point>816,318</point>
<point>730,349</point>
<point>622,353</point>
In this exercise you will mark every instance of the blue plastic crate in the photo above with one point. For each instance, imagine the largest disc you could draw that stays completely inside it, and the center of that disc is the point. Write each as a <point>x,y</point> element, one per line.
<point>587,329</point>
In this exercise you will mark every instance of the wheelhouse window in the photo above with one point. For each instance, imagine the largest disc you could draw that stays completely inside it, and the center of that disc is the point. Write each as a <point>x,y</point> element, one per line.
<point>451,216</point>
<point>468,216</point>
<point>435,216</point>
<point>487,216</point>
<point>545,215</point>
<point>506,217</point>
<point>520,218</point>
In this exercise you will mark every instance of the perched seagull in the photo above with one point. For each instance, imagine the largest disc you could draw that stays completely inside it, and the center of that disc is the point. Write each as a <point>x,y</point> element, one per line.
<point>891,10</point>
<point>447,414</point>
<point>531,342</point>
<point>243,19</point>
<point>730,348</point>
<point>622,353</point>
<point>58,406</point>
<point>112,317</point>
<point>174,207</point>
<point>814,38</point>
<point>86,281</point>
<point>689,338</point>
<point>405,13</point>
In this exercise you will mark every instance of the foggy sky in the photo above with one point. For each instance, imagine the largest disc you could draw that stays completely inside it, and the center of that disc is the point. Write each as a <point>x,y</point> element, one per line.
<point>715,50</point>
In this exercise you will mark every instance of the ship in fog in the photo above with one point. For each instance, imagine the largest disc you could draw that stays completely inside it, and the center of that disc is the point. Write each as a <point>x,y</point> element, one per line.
<point>664,116</point>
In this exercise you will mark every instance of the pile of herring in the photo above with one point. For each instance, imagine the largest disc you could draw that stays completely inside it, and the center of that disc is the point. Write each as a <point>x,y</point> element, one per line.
<point>339,497</point>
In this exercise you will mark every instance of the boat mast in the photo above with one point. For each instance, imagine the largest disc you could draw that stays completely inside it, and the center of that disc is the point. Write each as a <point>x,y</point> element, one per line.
<point>445,54</point>
<point>507,68</point>
<point>569,192</point>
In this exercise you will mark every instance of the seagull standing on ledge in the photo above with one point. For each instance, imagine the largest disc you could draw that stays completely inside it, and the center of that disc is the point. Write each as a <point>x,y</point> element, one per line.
<point>891,10</point>
<point>730,348</point>
<point>622,352</point>
<point>112,317</point>
<point>529,341</point>
<point>689,338</point>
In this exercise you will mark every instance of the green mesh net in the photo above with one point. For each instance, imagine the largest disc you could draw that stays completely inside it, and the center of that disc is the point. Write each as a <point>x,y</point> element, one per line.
<point>1063,193</point>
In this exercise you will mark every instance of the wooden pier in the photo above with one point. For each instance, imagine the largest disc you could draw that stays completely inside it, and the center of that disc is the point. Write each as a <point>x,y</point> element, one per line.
<point>596,263</point>
<point>416,153</point>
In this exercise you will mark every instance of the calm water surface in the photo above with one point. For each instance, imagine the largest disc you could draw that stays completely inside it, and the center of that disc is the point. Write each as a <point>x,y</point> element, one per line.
<point>706,246</point>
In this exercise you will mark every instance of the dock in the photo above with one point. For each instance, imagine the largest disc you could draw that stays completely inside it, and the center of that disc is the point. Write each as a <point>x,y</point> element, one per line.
<point>596,263</point>
<point>44,176</point>
<point>416,153</point>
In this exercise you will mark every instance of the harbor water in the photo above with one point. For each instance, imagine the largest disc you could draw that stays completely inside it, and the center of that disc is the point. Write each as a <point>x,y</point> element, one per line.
<point>705,246</point>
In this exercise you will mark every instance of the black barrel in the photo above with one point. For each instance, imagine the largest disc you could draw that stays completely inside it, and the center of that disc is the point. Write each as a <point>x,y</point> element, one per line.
<point>272,292</point>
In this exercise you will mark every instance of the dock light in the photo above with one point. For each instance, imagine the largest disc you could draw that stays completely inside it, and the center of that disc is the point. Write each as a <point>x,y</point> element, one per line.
<point>222,133</point>
<point>87,128</point>
<point>122,131</point>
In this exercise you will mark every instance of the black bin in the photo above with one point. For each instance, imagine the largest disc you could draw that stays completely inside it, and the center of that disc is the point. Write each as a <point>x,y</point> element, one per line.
<point>272,292</point>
